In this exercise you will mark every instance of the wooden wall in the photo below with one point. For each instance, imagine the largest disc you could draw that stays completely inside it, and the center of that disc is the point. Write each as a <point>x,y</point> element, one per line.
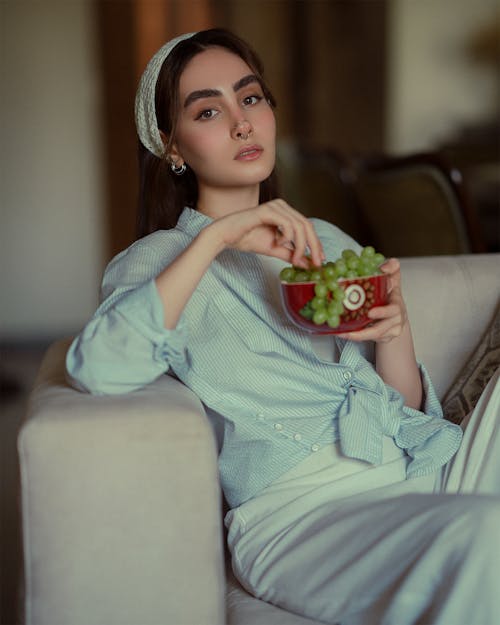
<point>325,62</point>
<point>129,33</point>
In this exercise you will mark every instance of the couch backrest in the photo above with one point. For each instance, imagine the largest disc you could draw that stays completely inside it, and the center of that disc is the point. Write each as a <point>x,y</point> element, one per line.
<point>451,301</point>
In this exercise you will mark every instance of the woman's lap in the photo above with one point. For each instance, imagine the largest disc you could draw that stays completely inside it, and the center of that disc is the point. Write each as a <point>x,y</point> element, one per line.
<point>364,558</point>
<point>404,551</point>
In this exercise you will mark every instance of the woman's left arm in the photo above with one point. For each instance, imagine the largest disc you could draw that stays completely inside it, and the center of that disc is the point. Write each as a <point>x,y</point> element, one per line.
<point>394,351</point>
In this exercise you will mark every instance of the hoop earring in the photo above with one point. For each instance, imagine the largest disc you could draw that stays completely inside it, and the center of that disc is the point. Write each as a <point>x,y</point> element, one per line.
<point>178,171</point>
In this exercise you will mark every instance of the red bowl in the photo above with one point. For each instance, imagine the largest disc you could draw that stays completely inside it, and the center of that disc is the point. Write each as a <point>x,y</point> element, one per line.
<point>361,294</point>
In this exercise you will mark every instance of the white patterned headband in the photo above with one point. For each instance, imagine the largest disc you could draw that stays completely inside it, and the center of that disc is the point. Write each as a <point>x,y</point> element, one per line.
<point>145,110</point>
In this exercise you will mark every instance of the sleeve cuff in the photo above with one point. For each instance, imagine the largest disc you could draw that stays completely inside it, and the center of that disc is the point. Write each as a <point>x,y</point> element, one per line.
<point>430,402</point>
<point>143,310</point>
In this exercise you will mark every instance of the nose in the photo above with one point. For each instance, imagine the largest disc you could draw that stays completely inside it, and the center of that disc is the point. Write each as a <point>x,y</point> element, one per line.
<point>241,130</point>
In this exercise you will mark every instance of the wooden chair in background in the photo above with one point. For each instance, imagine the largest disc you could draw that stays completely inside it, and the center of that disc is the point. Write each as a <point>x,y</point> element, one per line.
<point>319,183</point>
<point>415,205</point>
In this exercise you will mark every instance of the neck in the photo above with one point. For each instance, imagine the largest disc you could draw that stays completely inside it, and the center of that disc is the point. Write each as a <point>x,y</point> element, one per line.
<point>219,202</point>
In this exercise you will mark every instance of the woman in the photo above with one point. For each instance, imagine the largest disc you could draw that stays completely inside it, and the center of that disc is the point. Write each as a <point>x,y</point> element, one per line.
<point>334,459</point>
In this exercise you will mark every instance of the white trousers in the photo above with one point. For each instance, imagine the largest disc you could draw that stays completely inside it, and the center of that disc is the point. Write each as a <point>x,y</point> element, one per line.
<point>366,546</point>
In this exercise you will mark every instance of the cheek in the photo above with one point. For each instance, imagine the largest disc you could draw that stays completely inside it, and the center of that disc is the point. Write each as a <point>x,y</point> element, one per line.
<point>198,144</point>
<point>268,122</point>
<point>268,126</point>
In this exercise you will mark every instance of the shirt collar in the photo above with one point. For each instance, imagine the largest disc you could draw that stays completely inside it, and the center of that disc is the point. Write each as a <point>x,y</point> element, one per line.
<point>192,221</point>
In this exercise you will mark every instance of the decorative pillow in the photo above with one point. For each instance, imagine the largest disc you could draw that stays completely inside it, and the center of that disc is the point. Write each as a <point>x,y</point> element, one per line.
<point>472,380</point>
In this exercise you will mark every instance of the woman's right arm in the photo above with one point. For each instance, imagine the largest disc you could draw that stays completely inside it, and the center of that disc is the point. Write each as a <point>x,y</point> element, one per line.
<point>181,276</point>
<point>125,345</point>
<point>137,333</point>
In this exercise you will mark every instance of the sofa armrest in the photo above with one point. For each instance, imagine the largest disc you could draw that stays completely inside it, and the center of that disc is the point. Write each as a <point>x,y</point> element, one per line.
<point>121,506</point>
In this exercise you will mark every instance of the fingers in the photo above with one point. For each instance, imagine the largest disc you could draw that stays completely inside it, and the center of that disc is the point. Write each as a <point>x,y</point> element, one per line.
<point>387,322</point>
<point>380,332</point>
<point>270,227</point>
<point>391,310</point>
<point>294,231</point>
<point>392,268</point>
<point>391,265</point>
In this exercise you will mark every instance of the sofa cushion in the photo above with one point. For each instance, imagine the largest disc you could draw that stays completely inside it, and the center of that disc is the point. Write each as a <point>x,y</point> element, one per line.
<point>244,609</point>
<point>473,378</point>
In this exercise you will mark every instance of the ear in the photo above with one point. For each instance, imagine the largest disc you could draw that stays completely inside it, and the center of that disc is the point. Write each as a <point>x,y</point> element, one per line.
<point>173,155</point>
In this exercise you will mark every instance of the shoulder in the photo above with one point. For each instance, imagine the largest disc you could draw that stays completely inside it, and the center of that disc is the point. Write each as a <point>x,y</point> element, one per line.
<point>334,239</point>
<point>159,243</point>
<point>143,260</point>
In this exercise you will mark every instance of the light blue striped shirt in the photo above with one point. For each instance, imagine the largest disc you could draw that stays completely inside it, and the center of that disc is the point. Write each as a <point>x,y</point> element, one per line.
<point>273,398</point>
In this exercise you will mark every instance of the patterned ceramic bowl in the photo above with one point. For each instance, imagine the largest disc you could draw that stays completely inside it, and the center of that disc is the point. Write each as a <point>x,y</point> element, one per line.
<point>360,294</point>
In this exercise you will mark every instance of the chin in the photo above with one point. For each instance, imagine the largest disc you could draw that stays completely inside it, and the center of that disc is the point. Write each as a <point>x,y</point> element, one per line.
<point>257,173</point>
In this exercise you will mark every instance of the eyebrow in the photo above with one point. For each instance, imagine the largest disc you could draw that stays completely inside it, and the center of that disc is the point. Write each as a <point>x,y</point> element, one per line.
<point>213,93</point>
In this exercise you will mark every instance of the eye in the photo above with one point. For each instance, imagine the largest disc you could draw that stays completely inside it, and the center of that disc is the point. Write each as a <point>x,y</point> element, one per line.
<point>249,100</point>
<point>206,114</point>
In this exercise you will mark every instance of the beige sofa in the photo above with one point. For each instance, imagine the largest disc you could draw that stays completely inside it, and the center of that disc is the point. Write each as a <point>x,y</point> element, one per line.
<point>121,508</point>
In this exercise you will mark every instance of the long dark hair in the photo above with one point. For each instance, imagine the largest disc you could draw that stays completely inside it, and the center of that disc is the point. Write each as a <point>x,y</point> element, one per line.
<point>162,194</point>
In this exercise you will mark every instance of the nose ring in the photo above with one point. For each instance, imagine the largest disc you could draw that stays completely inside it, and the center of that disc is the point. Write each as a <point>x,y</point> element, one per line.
<point>243,134</point>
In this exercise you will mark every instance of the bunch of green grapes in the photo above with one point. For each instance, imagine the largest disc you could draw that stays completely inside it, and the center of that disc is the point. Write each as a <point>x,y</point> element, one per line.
<point>327,304</point>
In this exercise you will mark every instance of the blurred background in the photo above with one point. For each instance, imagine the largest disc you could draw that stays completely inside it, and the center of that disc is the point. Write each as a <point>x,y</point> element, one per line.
<point>388,118</point>
<point>357,77</point>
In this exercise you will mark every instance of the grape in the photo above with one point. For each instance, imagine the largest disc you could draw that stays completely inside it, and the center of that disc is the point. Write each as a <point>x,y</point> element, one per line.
<point>287,274</point>
<point>346,254</point>
<point>335,307</point>
<point>320,289</point>
<point>338,293</point>
<point>301,276</point>
<point>329,272</point>
<point>353,262</point>
<point>318,302</point>
<point>333,321</point>
<point>364,264</point>
<point>340,267</point>
<point>320,316</point>
<point>327,304</point>
<point>307,312</point>
<point>366,267</point>
<point>368,251</point>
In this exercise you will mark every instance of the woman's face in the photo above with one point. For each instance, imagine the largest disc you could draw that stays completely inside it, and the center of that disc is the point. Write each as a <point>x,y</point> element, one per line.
<point>226,129</point>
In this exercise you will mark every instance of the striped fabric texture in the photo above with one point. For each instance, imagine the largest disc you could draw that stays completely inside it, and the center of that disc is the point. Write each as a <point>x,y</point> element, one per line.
<point>272,397</point>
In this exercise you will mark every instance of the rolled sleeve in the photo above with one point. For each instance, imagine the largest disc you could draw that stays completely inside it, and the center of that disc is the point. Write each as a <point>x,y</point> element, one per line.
<point>126,346</point>
<point>429,440</point>
<point>430,402</point>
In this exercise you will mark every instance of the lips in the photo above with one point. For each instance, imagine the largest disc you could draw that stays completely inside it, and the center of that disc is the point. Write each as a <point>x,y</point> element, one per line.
<point>249,153</point>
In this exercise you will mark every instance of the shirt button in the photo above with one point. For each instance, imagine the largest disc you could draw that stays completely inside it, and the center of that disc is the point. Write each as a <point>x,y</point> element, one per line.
<point>347,375</point>
<point>315,447</point>
<point>278,426</point>
<point>297,437</point>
